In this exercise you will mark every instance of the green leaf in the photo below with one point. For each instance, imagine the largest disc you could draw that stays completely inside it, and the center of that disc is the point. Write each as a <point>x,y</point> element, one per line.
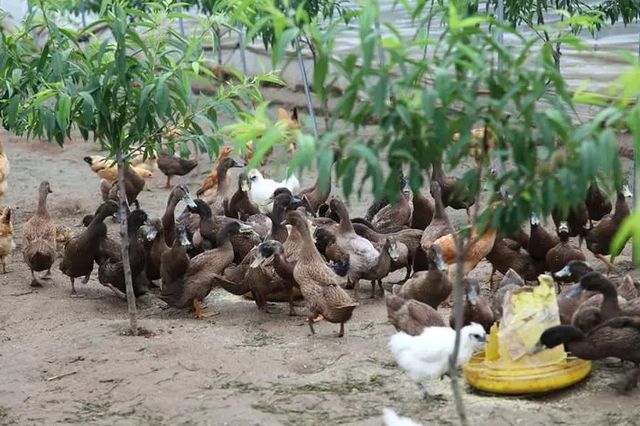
<point>88,108</point>
<point>63,108</point>
<point>162,100</point>
<point>285,40</point>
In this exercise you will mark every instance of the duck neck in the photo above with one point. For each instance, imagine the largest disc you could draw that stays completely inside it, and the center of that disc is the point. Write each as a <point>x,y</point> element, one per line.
<point>345,223</point>
<point>283,267</point>
<point>384,262</point>
<point>278,230</point>
<point>564,237</point>
<point>581,348</point>
<point>610,306</point>
<point>222,180</point>
<point>622,208</point>
<point>222,237</point>
<point>308,251</point>
<point>42,203</point>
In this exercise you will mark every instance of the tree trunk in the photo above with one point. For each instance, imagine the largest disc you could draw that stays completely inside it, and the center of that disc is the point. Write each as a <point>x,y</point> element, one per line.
<point>219,46</point>
<point>124,235</point>
<point>457,300</point>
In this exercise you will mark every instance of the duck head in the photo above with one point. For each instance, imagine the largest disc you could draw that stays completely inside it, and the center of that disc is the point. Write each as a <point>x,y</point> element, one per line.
<point>534,220</point>
<point>555,336</point>
<point>434,252</point>
<point>593,281</point>
<point>136,219</point>
<point>392,248</point>
<point>182,192</point>
<point>154,229</point>
<point>575,268</point>
<point>472,290</point>
<point>266,250</point>
<point>243,182</point>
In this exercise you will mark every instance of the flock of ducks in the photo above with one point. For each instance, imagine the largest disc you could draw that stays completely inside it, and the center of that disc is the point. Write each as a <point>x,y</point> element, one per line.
<point>265,238</point>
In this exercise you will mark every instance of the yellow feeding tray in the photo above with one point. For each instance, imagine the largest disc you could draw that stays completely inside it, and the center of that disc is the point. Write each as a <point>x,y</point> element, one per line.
<point>509,365</point>
<point>278,297</point>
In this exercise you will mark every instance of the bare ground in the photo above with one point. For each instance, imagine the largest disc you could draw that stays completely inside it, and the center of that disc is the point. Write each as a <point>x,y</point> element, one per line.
<point>68,361</point>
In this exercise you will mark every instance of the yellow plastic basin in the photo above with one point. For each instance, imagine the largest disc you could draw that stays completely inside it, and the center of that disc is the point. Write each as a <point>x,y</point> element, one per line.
<point>278,297</point>
<point>516,380</point>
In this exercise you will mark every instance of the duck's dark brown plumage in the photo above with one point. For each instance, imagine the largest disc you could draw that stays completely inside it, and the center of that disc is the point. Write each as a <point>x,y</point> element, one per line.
<point>81,251</point>
<point>175,166</point>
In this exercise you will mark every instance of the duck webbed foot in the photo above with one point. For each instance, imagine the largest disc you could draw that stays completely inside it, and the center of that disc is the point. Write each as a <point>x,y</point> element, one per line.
<point>199,313</point>
<point>627,382</point>
<point>430,397</point>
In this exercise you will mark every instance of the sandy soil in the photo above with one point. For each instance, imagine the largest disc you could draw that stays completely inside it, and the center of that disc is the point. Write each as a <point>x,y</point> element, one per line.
<point>67,361</point>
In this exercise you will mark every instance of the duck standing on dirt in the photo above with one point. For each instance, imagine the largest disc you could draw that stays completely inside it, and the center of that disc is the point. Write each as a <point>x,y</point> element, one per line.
<point>39,238</point>
<point>319,285</point>
<point>175,166</point>
<point>81,251</point>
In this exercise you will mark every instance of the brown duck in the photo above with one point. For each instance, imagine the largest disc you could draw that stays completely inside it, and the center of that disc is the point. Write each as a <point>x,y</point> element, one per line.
<point>540,240</point>
<point>475,309</point>
<point>558,257</point>
<point>411,316</point>
<point>179,193</point>
<point>319,285</point>
<point>431,287</point>
<point>171,166</point>
<point>81,251</point>
<point>39,238</point>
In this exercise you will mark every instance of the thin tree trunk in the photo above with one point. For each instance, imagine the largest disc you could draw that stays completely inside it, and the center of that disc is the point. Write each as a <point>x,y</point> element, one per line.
<point>457,300</point>
<point>124,235</point>
<point>219,46</point>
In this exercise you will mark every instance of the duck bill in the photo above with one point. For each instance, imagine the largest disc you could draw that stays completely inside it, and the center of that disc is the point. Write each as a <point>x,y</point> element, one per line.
<point>472,295</point>
<point>564,272</point>
<point>244,186</point>
<point>189,201</point>
<point>534,220</point>
<point>152,234</point>
<point>184,241</point>
<point>537,348</point>
<point>626,192</point>
<point>259,260</point>
<point>575,292</point>
<point>267,202</point>
<point>393,253</point>
<point>296,199</point>
<point>245,229</point>
<point>440,263</point>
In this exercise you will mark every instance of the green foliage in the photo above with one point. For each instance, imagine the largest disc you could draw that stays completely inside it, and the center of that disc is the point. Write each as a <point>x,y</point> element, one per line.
<point>129,91</point>
<point>527,105</point>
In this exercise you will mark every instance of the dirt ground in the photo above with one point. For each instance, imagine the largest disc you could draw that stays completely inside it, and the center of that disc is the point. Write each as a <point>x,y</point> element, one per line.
<point>67,361</point>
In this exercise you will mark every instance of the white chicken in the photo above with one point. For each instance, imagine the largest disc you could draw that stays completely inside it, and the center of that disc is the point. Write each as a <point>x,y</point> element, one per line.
<point>262,189</point>
<point>427,356</point>
<point>392,419</point>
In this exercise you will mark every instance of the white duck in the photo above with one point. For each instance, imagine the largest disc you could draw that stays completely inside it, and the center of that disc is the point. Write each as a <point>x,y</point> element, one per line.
<point>262,189</point>
<point>427,356</point>
<point>392,419</point>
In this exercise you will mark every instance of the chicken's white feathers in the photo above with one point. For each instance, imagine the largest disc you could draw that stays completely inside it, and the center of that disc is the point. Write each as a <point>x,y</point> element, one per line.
<point>392,419</point>
<point>427,356</point>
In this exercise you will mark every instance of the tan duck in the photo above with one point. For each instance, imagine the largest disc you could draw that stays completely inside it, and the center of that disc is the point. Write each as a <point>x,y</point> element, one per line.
<point>155,241</point>
<point>363,256</point>
<point>392,215</point>
<point>194,285</point>
<point>559,256</point>
<point>39,238</point>
<point>475,309</point>
<point>411,316</point>
<point>81,251</point>
<point>218,199</point>
<point>540,240</point>
<point>423,211</point>
<point>171,166</point>
<point>599,238</point>
<point>111,265</point>
<point>319,285</point>
<point>179,193</point>
<point>431,287</point>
